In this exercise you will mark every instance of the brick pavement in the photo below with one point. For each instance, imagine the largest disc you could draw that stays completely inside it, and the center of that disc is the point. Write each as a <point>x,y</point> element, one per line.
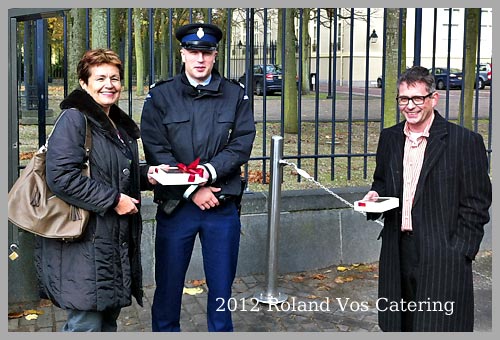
<point>325,300</point>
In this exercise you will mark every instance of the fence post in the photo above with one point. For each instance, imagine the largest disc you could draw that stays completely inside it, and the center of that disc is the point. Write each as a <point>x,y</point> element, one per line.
<point>271,295</point>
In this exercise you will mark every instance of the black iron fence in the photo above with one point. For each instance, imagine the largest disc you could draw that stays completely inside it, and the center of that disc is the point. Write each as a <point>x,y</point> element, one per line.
<point>339,55</point>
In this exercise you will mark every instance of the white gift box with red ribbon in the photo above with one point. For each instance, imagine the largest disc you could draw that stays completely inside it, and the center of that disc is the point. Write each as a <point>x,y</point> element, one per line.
<point>175,176</point>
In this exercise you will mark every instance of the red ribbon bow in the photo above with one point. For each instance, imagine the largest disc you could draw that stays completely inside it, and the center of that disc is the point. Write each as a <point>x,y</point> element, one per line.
<point>191,169</point>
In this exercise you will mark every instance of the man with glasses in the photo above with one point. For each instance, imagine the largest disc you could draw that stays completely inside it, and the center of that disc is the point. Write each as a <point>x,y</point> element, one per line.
<point>439,172</point>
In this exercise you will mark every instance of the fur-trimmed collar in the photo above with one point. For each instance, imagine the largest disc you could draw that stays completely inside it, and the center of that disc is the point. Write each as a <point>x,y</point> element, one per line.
<point>82,101</point>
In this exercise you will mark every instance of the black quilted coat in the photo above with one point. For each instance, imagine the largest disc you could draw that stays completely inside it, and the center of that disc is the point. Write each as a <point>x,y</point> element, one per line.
<point>102,269</point>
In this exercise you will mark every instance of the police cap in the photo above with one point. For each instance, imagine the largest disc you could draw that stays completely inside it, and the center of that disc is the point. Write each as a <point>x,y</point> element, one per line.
<point>199,36</point>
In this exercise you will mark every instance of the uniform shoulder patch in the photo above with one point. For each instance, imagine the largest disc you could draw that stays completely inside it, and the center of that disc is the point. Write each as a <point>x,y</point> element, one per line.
<point>159,82</point>
<point>234,81</point>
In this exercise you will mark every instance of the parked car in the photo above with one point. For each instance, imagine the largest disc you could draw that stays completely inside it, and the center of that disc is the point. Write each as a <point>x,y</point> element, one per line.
<point>485,73</point>
<point>442,75</point>
<point>484,78</point>
<point>272,77</point>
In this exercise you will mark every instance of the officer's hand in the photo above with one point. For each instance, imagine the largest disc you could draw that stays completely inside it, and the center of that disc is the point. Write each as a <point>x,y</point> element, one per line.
<point>204,197</point>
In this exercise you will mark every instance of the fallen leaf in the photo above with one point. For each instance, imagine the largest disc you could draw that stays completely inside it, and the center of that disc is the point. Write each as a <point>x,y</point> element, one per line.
<point>319,277</point>
<point>366,268</point>
<point>16,315</point>
<point>197,283</point>
<point>192,291</point>
<point>31,317</point>
<point>355,265</point>
<point>298,279</point>
<point>26,155</point>
<point>342,268</point>
<point>33,311</point>
<point>324,287</point>
<point>255,176</point>
<point>348,279</point>
<point>339,280</point>
<point>45,303</point>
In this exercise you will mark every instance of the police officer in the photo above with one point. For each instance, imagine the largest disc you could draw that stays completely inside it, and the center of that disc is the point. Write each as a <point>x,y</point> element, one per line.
<point>204,122</point>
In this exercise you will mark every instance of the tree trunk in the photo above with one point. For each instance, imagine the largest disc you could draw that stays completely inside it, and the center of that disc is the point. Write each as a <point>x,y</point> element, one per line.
<point>126,58</point>
<point>391,66</point>
<point>144,31</point>
<point>181,18</point>
<point>279,42</point>
<point>403,41</point>
<point>76,39</point>
<point>163,44</point>
<point>139,53</point>
<point>469,73</point>
<point>306,50</point>
<point>290,74</point>
<point>99,28</point>
<point>116,32</point>
<point>221,57</point>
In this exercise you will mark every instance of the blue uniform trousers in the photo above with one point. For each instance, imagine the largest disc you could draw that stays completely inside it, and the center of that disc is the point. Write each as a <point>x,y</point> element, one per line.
<point>219,232</point>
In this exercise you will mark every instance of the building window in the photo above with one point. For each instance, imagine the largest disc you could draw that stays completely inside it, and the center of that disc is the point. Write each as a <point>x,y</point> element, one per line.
<point>454,17</point>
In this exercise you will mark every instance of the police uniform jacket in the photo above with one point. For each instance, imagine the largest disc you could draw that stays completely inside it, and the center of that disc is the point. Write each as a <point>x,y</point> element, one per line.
<point>449,211</point>
<point>214,122</point>
<point>102,269</point>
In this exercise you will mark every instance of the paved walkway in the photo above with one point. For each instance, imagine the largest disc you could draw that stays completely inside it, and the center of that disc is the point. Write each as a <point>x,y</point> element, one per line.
<point>335,299</point>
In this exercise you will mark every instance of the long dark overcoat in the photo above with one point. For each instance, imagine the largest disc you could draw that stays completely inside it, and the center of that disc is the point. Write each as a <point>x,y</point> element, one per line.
<point>102,270</point>
<point>449,211</point>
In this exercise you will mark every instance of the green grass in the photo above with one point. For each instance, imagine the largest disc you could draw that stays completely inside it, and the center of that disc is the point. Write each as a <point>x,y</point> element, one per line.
<point>339,177</point>
<point>339,164</point>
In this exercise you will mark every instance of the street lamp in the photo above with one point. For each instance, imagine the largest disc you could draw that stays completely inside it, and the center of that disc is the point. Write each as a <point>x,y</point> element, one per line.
<point>240,46</point>
<point>373,37</point>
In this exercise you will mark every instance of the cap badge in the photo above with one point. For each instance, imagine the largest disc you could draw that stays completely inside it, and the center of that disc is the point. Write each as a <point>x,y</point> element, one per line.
<point>200,32</point>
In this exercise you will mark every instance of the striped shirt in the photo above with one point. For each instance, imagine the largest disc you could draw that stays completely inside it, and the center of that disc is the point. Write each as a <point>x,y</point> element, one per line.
<point>412,165</point>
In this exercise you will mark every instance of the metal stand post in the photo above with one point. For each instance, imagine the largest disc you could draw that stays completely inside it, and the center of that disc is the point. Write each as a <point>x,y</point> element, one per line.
<point>271,295</point>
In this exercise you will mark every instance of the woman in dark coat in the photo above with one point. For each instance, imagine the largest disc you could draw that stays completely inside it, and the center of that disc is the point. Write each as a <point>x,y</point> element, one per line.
<point>94,277</point>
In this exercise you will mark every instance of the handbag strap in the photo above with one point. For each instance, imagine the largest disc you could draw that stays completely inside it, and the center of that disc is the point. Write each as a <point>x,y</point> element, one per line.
<point>87,145</point>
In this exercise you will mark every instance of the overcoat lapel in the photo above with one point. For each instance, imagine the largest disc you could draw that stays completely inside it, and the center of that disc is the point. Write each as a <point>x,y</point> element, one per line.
<point>398,165</point>
<point>436,144</point>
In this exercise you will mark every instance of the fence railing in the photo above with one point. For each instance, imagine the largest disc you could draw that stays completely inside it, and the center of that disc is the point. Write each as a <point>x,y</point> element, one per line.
<point>340,108</point>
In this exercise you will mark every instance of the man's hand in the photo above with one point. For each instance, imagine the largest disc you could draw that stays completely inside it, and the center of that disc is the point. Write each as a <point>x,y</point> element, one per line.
<point>204,197</point>
<point>371,196</point>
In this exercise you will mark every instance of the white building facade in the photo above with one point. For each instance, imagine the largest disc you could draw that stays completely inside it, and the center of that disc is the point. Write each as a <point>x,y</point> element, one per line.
<point>449,38</point>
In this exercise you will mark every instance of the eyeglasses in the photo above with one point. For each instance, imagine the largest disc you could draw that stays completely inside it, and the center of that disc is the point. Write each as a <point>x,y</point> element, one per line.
<point>417,100</point>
